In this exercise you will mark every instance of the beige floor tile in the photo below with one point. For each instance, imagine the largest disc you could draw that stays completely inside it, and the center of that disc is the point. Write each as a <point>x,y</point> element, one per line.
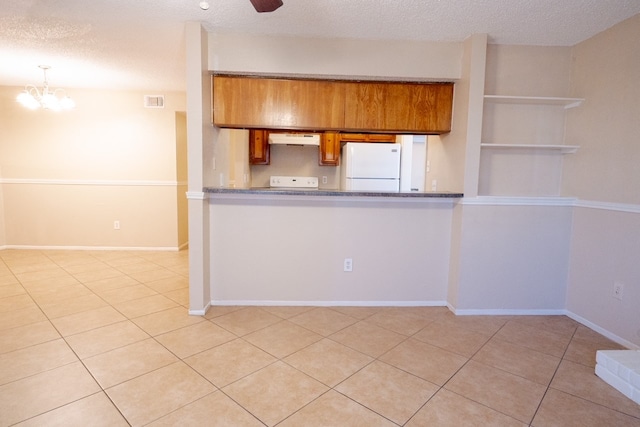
<point>230,362</point>
<point>584,352</point>
<point>488,325</point>
<point>124,260</point>
<point>524,362</point>
<point>181,296</point>
<point>34,360</point>
<point>143,306</point>
<point>357,312</point>
<point>168,284</point>
<point>124,363</point>
<point>25,336</point>
<point>213,410</point>
<point>127,266</point>
<point>246,320</point>
<point>93,275</point>
<point>11,290</point>
<point>87,320</point>
<point>535,338</point>
<point>282,338</point>
<point>368,338</point>
<point>400,320</point>
<point>581,381</point>
<point>167,320</point>
<point>287,312</point>
<point>145,398</point>
<point>29,275</point>
<point>328,362</point>
<point>221,310</point>
<point>275,392</point>
<point>447,409</point>
<point>154,275</point>
<point>100,340</point>
<point>585,334</point>
<point>110,283</point>
<point>21,317</point>
<point>453,337</point>
<point>507,393</point>
<point>43,392</point>
<point>95,410</point>
<point>391,392</point>
<point>16,302</point>
<point>334,409</point>
<point>83,267</point>
<point>6,278</point>
<point>560,325</point>
<point>187,341</point>
<point>73,306</point>
<point>560,409</point>
<point>127,293</point>
<point>323,321</point>
<point>55,287</point>
<point>425,361</point>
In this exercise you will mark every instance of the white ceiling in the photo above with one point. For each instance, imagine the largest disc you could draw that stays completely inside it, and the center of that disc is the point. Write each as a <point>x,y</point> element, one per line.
<point>139,44</point>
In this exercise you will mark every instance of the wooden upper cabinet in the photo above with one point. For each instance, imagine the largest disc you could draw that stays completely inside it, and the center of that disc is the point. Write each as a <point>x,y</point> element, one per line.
<point>259,149</point>
<point>329,152</point>
<point>367,137</point>
<point>399,107</point>
<point>277,103</point>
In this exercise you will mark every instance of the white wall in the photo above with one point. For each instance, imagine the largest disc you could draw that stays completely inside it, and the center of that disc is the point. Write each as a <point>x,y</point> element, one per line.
<point>349,58</point>
<point>291,251</point>
<point>66,177</point>
<point>513,257</point>
<point>605,175</point>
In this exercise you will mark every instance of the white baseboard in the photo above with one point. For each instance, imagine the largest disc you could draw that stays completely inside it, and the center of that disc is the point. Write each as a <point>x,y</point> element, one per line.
<point>613,337</point>
<point>507,312</point>
<point>330,303</point>
<point>200,312</point>
<point>94,248</point>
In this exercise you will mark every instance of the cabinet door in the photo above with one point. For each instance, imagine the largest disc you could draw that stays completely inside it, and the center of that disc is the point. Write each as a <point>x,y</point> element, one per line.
<point>277,103</point>
<point>259,147</point>
<point>329,153</point>
<point>399,107</point>
<point>367,137</point>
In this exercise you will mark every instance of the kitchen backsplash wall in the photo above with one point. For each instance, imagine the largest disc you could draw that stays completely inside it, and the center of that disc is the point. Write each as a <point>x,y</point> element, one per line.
<point>295,160</point>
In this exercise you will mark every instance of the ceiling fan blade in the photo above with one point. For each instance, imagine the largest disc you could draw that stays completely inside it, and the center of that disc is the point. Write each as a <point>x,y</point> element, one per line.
<point>266,5</point>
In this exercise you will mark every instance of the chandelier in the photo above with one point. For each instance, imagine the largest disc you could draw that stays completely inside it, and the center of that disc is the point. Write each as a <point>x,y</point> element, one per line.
<point>34,98</point>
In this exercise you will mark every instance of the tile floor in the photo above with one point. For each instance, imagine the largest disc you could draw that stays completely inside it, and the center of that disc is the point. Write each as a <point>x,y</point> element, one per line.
<point>103,338</point>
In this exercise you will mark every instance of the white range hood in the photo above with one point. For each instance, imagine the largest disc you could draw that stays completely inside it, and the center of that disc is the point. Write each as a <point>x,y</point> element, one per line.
<point>294,139</point>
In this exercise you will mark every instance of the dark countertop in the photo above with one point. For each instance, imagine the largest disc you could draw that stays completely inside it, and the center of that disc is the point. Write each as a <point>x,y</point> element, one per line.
<point>328,192</point>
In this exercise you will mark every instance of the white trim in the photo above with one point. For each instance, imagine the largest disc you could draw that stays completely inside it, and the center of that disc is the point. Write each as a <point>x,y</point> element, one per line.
<point>200,312</point>
<point>518,201</point>
<point>96,248</point>
<point>602,331</point>
<point>508,312</point>
<point>96,182</point>
<point>270,303</point>
<point>196,195</point>
<point>618,207</point>
<point>337,199</point>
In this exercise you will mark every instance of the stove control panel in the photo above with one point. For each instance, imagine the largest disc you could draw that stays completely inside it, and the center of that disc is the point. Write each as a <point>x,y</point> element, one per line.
<point>294,181</point>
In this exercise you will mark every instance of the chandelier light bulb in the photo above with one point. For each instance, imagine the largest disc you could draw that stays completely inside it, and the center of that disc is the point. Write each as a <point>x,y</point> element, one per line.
<point>204,5</point>
<point>33,98</point>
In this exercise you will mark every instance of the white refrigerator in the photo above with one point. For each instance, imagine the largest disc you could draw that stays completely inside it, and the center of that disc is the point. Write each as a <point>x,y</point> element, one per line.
<point>370,166</point>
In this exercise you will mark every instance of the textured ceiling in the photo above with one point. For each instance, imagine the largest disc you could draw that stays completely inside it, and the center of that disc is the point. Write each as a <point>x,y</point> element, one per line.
<point>139,44</point>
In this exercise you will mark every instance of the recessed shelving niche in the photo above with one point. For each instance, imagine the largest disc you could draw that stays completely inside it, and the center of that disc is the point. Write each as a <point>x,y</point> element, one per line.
<point>523,144</point>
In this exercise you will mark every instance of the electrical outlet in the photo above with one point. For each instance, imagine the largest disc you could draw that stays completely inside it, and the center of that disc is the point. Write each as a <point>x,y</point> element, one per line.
<point>348,264</point>
<point>324,180</point>
<point>116,225</point>
<point>618,289</point>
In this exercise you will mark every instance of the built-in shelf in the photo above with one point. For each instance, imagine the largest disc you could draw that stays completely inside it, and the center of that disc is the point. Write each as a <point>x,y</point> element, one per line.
<point>563,149</point>
<point>534,100</point>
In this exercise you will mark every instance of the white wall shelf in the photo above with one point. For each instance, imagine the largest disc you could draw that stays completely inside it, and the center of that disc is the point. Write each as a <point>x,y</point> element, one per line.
<point>562,149</point>
<point>535,100</point>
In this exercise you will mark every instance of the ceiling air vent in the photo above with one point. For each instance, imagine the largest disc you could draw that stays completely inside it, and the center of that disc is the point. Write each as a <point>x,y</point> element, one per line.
<point>154,101</point>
